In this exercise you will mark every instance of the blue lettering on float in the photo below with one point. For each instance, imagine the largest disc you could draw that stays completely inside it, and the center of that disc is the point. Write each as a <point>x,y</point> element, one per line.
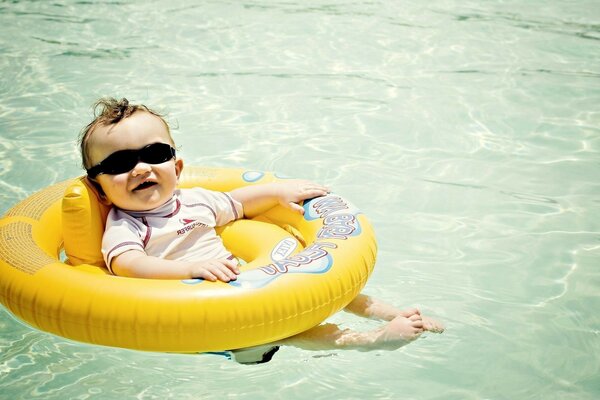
<point>339,218</point>
<point>304,260</point>
<point>283,249</point>
<point>321,207</point>
<point>339,222</point>
<point>314,259</point>
<point>339,226</point>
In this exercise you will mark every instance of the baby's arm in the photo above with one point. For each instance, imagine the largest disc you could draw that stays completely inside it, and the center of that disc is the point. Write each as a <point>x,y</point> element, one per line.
<point>136,263</point>
<point>259,198</point>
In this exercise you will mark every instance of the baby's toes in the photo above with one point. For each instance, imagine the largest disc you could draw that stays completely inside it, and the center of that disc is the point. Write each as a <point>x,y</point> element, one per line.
<point>415,317</point>
<point>409,312</point>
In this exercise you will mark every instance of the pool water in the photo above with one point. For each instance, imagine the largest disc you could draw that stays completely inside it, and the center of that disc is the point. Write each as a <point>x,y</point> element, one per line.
<point>468,132</point>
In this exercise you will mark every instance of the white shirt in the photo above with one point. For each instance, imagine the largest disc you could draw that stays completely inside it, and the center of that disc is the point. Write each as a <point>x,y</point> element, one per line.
<point>181,229</point>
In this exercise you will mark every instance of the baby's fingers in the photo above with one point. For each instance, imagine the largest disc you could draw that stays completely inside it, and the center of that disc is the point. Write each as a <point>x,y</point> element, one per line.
<point>311,189</point>
<point>232,265</point>
<point>206,275</point>
<point>224,270</point>
<point>295,207</point>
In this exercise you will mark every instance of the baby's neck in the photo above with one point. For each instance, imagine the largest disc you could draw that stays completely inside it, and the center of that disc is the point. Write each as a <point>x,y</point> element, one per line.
<point>168,208</point>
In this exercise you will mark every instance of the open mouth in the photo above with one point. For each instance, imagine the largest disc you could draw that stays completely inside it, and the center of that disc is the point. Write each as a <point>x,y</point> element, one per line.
<point>144,185</point>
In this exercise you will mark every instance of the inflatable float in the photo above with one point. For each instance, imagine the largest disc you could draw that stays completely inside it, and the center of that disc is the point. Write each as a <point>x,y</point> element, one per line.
<point>298,271</point>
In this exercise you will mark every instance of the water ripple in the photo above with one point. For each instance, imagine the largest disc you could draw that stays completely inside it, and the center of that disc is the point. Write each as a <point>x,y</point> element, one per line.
<point>468,134</point>
<point>582,30</point>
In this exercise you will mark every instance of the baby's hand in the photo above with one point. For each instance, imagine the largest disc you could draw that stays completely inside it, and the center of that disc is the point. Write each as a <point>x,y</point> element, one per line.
<point>290,193</point>
<point>213,270</point>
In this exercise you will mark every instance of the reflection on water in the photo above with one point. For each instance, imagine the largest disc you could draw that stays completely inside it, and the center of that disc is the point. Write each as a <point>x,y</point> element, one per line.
<point>467,133</point>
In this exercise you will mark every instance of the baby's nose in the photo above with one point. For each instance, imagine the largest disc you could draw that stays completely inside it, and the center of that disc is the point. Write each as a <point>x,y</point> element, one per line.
<point>141,168</point>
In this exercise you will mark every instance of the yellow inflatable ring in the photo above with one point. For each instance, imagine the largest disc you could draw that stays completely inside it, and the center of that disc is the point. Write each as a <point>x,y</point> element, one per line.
<point>299,271</point>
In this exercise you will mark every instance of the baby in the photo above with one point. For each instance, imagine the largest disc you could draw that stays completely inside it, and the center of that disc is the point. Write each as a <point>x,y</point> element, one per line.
<point>130,157</point>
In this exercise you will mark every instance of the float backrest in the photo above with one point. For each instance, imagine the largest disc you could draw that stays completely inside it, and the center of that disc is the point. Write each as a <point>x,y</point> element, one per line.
<point>83,219</point>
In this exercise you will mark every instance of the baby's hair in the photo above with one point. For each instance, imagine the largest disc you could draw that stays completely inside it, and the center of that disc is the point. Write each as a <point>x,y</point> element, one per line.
<point>108,111</point>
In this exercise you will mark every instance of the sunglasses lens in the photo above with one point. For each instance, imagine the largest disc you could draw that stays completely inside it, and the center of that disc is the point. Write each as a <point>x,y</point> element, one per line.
<point>125,160</point>
<point>120,162</point>
<point>156,153</point>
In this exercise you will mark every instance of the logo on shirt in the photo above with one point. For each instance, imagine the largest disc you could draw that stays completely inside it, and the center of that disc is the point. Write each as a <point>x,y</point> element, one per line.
<point>189,224</point>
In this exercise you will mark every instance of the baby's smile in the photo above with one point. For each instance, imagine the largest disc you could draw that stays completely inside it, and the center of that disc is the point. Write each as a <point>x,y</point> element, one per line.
<point>145,185</point>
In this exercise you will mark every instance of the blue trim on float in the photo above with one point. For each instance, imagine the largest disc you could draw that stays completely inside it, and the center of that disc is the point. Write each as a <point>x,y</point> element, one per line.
<point>252,176</point>
<point>193,281</point>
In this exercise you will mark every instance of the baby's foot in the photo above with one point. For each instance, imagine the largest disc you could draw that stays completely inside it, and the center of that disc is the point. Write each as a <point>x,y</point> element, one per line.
<point>429,324</point>
<point>407,313</point>
<point>432,325</point>
<point>400,331</point>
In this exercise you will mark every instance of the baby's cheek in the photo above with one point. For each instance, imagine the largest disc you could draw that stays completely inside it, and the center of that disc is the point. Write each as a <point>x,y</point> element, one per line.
<point>113,185</point>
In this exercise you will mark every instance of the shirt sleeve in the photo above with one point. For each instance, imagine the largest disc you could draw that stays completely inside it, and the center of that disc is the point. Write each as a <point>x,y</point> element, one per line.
<point>223,207</point>
<point>120,235</point>
<point>235,210</point>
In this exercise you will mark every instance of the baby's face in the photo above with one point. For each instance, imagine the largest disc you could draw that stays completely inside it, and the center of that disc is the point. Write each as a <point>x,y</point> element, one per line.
<point>146,186</point>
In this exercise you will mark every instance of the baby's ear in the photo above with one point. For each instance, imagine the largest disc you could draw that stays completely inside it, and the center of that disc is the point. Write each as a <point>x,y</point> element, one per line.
<point>97,189</point>
<point>178,167</point>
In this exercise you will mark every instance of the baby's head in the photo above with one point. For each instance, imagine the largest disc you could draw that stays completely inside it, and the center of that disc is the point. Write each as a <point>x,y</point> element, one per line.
<point>110,111</point>
<point>128,152</point>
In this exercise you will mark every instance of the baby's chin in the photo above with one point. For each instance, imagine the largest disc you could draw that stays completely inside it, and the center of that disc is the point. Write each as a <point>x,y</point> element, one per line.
<point>143,204</point>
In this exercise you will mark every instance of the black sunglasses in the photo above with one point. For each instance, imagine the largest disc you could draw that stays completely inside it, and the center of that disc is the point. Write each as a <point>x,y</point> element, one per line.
<point>125,160</point>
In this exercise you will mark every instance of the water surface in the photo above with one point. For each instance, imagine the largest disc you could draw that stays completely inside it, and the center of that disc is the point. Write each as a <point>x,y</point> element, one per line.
<point>468,133</point>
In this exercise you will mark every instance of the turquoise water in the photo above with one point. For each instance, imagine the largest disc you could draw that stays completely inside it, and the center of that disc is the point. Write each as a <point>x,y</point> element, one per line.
<point>468,132</point>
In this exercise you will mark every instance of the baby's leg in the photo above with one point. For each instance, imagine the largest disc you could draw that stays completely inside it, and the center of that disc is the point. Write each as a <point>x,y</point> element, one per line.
<point>369,307</point>
<point>396,333</point>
